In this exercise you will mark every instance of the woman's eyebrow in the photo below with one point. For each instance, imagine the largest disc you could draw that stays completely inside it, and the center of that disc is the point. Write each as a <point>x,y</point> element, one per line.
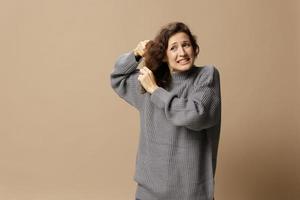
<point>173,43</point>
<point>185,41</point>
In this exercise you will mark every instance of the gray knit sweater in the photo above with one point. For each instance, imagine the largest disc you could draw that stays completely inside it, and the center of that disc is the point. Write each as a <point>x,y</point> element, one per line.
<point>179,131</point>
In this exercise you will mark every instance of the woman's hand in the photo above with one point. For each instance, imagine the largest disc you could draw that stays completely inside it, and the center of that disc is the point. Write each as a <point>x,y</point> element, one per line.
<point>140,48</point>
<point>147,80</point>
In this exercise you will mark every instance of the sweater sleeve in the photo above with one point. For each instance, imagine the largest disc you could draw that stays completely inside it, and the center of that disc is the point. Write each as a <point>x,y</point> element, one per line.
<point>199,110</point>
<point>124,79</point>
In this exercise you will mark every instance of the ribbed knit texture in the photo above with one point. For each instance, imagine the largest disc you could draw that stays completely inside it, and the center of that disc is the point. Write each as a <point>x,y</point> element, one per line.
<point>179,131</point>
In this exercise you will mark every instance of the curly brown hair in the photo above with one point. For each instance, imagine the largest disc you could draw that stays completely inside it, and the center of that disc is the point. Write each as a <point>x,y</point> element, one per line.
<point>156,51</point>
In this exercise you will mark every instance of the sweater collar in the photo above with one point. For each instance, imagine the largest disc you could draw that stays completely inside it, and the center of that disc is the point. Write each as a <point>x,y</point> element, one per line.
<point>181,76</point>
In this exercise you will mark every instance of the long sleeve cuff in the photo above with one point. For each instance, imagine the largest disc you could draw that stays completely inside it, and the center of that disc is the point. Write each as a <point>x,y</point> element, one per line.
<point>126,63</point>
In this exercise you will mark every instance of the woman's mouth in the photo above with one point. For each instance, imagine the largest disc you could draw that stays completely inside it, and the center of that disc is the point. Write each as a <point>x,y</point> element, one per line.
<point>183,61</point>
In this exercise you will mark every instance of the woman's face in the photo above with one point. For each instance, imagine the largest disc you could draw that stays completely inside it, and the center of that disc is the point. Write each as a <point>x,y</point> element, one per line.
<point>180,53</point>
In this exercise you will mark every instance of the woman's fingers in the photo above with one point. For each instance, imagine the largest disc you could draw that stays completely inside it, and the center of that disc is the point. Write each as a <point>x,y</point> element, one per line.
<point>140,48</point>
<point>142,71</point>
<point>140,77</point>
<point>145,70</point>
<point>147,79</point>
<point>144,43</point>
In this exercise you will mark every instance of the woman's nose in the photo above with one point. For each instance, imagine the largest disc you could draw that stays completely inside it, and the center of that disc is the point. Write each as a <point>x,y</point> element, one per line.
<point>182,51</point>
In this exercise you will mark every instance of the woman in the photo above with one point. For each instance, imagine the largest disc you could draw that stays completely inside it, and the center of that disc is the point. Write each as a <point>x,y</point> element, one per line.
<point>180,115</point>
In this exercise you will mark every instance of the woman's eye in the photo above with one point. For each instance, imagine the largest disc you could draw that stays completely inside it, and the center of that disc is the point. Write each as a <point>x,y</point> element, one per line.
<point>173,48</point>
<point>186,45</point>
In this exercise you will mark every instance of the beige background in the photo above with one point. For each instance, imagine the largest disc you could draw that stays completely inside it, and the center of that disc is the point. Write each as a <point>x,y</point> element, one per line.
<point>65,134</point>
